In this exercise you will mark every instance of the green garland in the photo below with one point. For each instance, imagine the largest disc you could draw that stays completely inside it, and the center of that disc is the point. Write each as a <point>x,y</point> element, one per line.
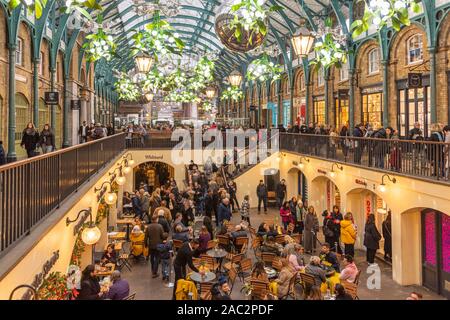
<point>232,92</point>
<point>54,287</point>
<point>80,246</point>
<point>380,13</point>
<point>262,69</point>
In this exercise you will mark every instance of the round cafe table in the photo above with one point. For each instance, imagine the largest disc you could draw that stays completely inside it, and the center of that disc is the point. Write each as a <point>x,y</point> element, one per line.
<point>207,277</point>
<point>217,254</point>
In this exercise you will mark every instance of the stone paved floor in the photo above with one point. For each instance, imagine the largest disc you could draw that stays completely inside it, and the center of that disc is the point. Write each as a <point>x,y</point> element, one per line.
<point>147,288</point>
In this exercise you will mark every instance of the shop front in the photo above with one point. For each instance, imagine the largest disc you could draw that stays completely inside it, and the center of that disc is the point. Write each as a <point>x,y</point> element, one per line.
<point>436,251</point>
<point>300,110</point>
<point>286,112</point>
<point>413,106</point>
<point>153,173</point>
<point>272,109</point>
<point>372,105</point>
<point>341,102</point>
<point>319,110</point>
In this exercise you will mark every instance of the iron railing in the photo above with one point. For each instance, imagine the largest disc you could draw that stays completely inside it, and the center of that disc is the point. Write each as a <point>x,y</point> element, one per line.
<point>424,159</point>
<point>33,188</point>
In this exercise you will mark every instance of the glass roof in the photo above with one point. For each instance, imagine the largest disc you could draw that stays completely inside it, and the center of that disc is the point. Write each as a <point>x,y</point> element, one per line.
<point>194,22</point>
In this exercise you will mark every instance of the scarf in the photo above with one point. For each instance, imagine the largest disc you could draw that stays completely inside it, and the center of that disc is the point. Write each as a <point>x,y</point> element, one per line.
<point>30,131</point>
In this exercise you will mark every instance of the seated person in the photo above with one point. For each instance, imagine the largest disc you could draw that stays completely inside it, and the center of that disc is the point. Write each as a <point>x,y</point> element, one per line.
<point>271,246</point>
<point>340,293</point>
<point>238,232</point>
<point>290,252</point>
<point>259,273</point>
<point>329,256</point>
<point>350,270</point>
<point>120,288</point>
<point>221,230</point>
<point>221,291</point>
<point>109,256</point>
<point>314,269</point>
<point>284,278</point>
<point>272,231</point>
<point>180,234</point>
<point>203,238</point>
<point>262,230</point>
<point>137,238</point>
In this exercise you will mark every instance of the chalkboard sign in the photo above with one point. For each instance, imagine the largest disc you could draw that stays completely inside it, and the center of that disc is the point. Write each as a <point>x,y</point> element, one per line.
<point>51,98</point>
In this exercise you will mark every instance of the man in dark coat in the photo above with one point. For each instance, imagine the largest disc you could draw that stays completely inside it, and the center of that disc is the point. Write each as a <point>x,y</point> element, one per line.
<point>224,211</point>
<point>153,237</point>
<point>359,133</point>
<point>184,258</point>
<point>261,192</point>
<point>280,192</point>
<point>137,205</point>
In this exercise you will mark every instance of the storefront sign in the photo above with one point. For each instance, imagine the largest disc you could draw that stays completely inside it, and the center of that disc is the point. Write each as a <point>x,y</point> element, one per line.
<point>369,90</point>
<point>153,157</point>
<point>321,171</point>
<point>368,204</point>
<point>328,195</point>
<point>51,98</point>
<point>39,278</point>
<point>361,182</point>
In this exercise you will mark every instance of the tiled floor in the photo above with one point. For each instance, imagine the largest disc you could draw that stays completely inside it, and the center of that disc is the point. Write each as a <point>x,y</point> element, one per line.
<point>147,288</point>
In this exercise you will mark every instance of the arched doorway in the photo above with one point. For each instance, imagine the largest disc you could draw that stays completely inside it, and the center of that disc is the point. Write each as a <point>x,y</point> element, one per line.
<point>153,173</point>
<point>362,202</point>
<point>435,235</point>
<point>23,116</point>
<point>323,195</point>
<point>296,184</point>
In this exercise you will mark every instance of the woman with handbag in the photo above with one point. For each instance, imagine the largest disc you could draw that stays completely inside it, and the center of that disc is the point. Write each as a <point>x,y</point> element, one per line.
<point>30,139</point>
<point>328,228</point>
<point>371,238</point>
<point>47,140</point>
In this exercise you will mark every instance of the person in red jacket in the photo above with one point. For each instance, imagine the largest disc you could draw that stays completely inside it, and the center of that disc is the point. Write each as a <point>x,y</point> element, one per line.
<point>285,213</point>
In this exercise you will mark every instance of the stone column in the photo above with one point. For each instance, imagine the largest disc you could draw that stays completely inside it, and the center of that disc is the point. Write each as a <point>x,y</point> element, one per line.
<point>432,53</point>
<point>36,62</point>
<point>53,76</point>
<point>385,66</point>
<point>351,98</point>
<point>66,108</point>
<point>12,104</point>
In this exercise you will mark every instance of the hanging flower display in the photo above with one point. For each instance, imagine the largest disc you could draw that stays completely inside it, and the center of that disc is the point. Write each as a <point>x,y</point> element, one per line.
<point>126,88</point>
<point>157,39</point>
<point>262,69</point>
<point>330,48</point>
<point>54,287</point>
<point>100,44</point>
<point>232,92</point>
<point>380,13</point>
<point>181,95</point>
<point>207,106</point>
<point>153,81</point>
<point>250,16</point>
<point>203,73</point>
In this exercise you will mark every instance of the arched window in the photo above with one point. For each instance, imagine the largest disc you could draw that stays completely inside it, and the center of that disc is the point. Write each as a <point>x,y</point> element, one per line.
<point>415,49</point>
<point>343,72</point>
<point>44,114</point>
<point>23,116</point>
<point>374,60</point>
<point>320,77</point>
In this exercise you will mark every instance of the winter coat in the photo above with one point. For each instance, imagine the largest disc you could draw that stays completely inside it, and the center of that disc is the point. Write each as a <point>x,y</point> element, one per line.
<point>223,213</point>
<point>29,140</point>
<point>281,190</point>
<point>285,215</point>
<point>348,232</point>
<point>47,138</point>
<point>311,222</point>
<point>371,236</point>
<point>261,191</point>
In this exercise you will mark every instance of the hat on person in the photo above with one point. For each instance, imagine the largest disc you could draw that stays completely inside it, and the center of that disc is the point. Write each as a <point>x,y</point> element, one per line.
<point>136,229</point>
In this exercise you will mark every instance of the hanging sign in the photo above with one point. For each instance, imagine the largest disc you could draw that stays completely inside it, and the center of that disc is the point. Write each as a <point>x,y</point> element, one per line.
<point>75,104</point>
<point>51,98</point>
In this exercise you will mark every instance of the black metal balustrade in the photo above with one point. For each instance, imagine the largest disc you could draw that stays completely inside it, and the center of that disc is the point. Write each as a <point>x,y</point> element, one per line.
<point>424,159</point>
<point>31,189</point>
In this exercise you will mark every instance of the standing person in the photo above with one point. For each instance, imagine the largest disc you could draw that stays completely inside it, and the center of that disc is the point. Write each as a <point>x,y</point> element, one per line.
<point>47,140</point>
<point>446,131</point>
<point>232,190</point>
<point>348,234</point>
<point>90,286</point>
<point>164,249</point>
<point>336,216</point>
<point>223,211</point>
<point>371,239</point>
<point>344,133</point>
<point>2,154</point>
<point>381,148</point>
<point>153,237</point>
<point>209,203</point>
<point>281,192</point>
<point>311,225</point>
<point>359,133</point>
<point>245,209</point>
<point>137,205</point>
<point>110,129</point>
<point>261,192</point>
<point>83,132</point>
<point>98,132</point>
<point>30,139</point>
<point>285,214</point>
<point>183,258</point>
<point>300,213</point>
<point>387,235</point>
